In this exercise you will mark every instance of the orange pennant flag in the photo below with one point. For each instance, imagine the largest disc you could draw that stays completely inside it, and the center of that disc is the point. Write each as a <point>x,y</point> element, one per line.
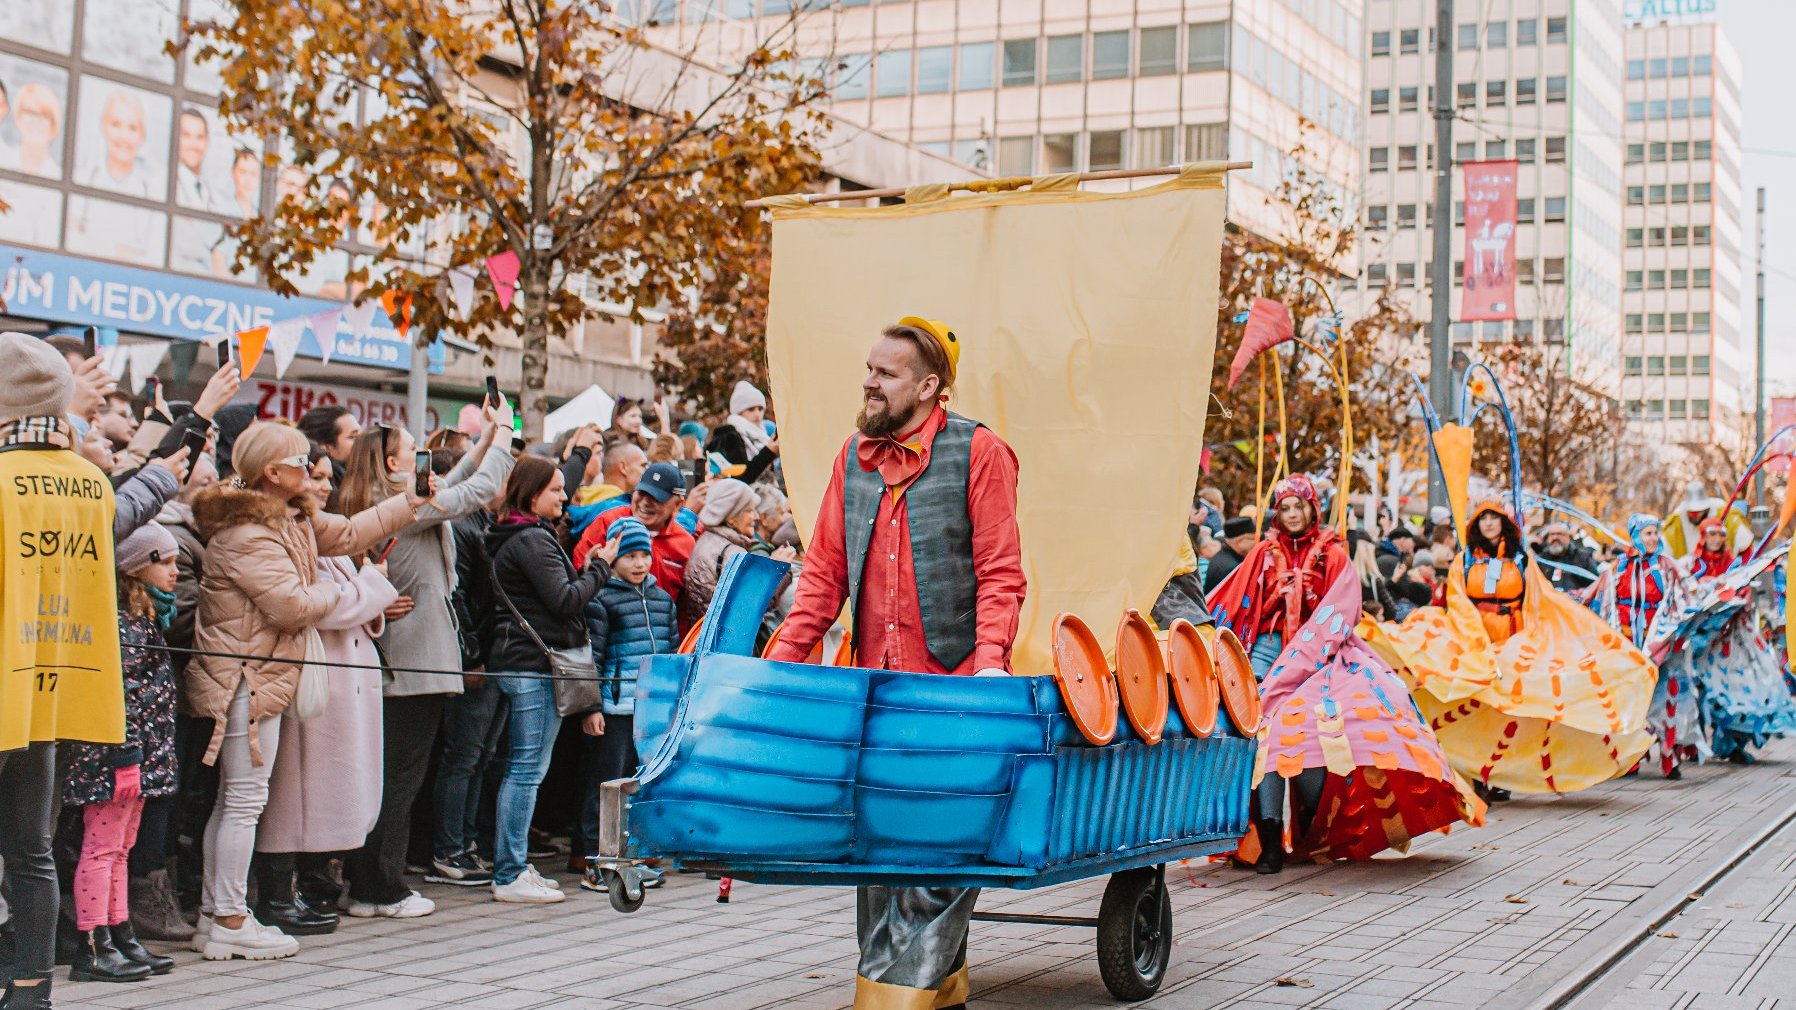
<point>399,309</point>
<point>249,349</point>
<point>1453,446</point>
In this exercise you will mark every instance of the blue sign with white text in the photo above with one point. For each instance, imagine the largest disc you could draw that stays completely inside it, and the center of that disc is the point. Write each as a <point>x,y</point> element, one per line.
<point>77,291</point>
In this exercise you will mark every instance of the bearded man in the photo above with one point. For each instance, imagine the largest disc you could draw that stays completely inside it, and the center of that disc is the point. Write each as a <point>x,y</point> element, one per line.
<point>918,534</point>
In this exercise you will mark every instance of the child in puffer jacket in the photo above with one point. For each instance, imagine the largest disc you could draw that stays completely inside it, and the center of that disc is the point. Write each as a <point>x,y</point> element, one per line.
<point>631,618</point>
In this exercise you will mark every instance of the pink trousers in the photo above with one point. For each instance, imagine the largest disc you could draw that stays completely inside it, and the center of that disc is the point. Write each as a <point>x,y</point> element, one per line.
<point>102,875</point>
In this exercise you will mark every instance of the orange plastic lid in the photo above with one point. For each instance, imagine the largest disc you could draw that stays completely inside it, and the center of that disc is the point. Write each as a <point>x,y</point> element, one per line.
<point>1194,685</point>
<point>1084,678</point>
<point>690,642</point>
<point>815,658</point>
<point>1234,675</point>
<point>766,650</point>
<point>1141,676</point>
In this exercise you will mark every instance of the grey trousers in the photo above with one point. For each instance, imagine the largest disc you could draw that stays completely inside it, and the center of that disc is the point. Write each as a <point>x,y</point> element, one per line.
<point>914,937</point>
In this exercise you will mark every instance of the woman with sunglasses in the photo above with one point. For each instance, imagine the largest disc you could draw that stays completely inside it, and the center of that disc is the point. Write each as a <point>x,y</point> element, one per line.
<point>260,599</point>
<point>421,565</point>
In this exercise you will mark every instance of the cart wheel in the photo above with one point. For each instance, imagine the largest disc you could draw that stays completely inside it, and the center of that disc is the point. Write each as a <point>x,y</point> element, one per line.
<point>1135,933</point>
<point>614,889</point>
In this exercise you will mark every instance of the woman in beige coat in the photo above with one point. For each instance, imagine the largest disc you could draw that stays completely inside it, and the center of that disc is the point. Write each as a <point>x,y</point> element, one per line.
<point>259,597</point>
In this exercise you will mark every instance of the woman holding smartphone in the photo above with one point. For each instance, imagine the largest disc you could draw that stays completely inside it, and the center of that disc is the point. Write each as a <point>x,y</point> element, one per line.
<point>421,566</point>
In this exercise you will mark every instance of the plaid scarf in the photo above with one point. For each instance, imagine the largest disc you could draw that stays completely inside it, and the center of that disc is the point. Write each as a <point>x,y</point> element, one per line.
<point>50,432</point>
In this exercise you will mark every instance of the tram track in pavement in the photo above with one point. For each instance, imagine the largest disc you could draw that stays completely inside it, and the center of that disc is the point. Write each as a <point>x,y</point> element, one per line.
<point>1624,951</point>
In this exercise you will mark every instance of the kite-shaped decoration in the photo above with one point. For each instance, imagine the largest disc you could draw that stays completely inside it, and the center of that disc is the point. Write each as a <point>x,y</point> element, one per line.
<point>1268,325</point>
<point>398,305</point>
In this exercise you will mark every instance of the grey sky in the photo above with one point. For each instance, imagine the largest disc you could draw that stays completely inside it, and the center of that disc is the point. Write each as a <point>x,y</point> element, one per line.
<point>1761,31</point>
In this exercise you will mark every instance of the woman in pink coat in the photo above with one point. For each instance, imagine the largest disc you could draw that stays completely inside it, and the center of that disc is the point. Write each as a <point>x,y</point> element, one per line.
<point>324,794</point>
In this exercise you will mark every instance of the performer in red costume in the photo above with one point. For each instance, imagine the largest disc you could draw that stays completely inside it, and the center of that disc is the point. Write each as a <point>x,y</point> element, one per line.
<point>1264,601</point>
<point>1712,553</point>
<point>917,533</point>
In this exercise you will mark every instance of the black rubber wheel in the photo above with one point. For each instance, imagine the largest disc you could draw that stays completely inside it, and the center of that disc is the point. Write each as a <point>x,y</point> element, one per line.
<point>614,889</point>
<point>1135,933</point>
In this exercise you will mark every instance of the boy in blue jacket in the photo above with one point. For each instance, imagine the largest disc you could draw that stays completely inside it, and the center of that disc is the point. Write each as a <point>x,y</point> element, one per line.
<point>631,618</point>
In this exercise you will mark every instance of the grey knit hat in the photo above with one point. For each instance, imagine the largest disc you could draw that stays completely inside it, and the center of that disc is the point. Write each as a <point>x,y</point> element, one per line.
<point>148,544</point>
<point>35,379</point>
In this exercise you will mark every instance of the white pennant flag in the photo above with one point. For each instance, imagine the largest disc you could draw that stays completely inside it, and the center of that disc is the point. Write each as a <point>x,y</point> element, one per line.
<point>283,338</point>
<point>324,330</point>
<point>360,316</point>
<point>461,290</point>
<point>114,359</point>
<point>145,359</point>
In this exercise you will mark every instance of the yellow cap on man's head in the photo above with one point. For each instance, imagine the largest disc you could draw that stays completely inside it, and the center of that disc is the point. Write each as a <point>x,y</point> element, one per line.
<point>943,336</point>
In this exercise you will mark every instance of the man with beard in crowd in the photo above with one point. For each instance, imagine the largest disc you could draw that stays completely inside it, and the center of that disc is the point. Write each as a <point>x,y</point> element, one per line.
<point>1570,567</point>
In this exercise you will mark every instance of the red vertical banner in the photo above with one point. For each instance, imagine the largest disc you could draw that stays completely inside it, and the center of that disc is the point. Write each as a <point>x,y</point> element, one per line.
<point>1489,286</point>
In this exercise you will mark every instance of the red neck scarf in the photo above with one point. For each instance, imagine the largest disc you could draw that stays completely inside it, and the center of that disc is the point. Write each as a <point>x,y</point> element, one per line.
<point>899,459</point>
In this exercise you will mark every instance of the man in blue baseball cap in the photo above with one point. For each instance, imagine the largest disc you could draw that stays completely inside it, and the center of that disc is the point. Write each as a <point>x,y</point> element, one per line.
<point>655,503</point>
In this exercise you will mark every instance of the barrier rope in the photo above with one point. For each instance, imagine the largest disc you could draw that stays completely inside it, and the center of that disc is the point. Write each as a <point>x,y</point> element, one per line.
<point>509,675</point>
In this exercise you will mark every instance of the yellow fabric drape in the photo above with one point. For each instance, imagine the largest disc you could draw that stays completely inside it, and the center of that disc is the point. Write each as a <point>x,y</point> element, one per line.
<point>927,192</point>
<point>1088,327</point>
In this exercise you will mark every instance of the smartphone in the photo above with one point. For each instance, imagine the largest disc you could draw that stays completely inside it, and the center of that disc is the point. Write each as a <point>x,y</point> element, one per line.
<point>90,341</point>
<point>194,441</point>
<point>388,549</point>
<point>492,391</point>
<point>224,352</point>
<point>421,462</point>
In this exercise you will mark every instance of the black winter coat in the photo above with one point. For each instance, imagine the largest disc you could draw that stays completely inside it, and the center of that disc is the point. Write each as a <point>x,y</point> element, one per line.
<point>473,600</point>
<point>539,579</point>
<point>729,443</point>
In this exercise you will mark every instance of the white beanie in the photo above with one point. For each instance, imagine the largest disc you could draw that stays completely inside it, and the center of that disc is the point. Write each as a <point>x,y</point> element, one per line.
<point>1439,514</point>
<point>745,397</point>
<point>35,379</point>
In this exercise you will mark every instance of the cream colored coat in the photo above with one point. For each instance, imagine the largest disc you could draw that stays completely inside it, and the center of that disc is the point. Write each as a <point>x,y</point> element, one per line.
<point>260,592</point>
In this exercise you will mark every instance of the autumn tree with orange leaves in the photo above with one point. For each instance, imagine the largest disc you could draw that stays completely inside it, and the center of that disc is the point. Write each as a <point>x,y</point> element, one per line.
<point>436,134</point>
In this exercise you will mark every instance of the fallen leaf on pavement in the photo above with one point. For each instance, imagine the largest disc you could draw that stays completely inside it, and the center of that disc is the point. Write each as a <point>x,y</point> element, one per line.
<point>1324,890</point>
<point>1668,934</point>
<point>813,975</point>
<point>1515,899</point>
<point>1301,983</point>
<point>1569,882</point>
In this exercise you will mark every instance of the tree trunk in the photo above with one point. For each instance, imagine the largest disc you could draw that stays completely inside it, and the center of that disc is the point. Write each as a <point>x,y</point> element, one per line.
<point>534,400</point>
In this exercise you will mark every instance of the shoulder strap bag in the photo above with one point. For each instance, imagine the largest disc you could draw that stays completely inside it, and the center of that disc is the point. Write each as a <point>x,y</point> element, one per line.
<point>576,676</point>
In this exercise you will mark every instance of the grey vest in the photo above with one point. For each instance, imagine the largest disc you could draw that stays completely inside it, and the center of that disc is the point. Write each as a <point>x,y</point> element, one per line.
<point>941,537</point>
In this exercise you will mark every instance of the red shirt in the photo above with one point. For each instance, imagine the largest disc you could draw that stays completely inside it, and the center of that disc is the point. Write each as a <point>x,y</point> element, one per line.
<point>888,629</point>
<point>670,549</point>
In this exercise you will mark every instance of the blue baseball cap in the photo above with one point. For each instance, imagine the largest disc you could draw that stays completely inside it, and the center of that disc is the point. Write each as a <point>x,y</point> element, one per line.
<point>662,481</point>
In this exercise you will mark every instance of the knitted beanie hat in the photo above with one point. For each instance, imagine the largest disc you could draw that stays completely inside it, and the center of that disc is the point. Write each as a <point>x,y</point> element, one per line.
<point>745,397</point>
<point>148,544</point>
<point>631,536</point>
<point>35,379</point>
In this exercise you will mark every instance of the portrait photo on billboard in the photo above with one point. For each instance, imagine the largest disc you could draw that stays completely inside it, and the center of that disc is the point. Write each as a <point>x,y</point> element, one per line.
<point>45,24</point>
<point>116,231</point>
<point>35,217</point>
<point>34,101</point>
<point>121,139</point>
<point>130,35</point>
<point>201,247</point>
<point>214,171</point>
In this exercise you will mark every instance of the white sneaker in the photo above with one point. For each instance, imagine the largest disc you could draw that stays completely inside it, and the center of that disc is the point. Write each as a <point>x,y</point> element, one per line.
<point>412,906</point>
<point>530,871</point>
<point>528,889</point>
<point>202,928</point>
<point>252,941</point>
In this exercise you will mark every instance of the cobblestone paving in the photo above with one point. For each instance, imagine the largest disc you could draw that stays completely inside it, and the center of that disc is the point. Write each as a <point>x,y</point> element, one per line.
<point>1488,917</point>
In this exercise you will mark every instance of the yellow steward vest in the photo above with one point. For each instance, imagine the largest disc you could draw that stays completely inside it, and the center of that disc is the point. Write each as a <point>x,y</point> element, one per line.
<point>60,676</point>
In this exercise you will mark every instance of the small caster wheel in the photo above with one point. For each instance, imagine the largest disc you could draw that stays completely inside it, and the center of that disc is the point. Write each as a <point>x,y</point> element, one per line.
<point>616,890</point>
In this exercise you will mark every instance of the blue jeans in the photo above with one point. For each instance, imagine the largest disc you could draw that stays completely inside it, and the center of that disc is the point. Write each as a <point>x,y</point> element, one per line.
<point>472,725</point>
<point>1265,653</point>
<point>533,725</point>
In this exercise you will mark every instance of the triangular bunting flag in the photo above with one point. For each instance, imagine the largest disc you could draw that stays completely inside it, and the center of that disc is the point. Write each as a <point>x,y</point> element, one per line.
<point>283,338</point>
<point>461,290</point>
<point>213,339</point>
<point>399,309</point>
<point>1268,325</point>
<point>503,269</point>
<point>249,349</point>
<point>324,330</point>
<point>145,359</point>
<point>114,360</point>
<point>359,317</point>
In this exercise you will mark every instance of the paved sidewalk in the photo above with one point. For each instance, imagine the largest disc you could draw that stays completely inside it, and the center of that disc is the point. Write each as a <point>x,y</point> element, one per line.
<point>1479,918</point>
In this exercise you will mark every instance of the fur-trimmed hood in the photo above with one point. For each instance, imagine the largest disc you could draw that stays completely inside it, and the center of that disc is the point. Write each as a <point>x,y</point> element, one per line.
<point>219,508</point>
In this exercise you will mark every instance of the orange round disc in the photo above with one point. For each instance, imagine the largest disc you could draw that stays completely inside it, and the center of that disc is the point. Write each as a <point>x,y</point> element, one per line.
<point>772,640</point>
<point>690,642</point>
<point>1234,675</point>
<point>1084,678</point>
<point>1194,685</point>
<point>1141,676</point>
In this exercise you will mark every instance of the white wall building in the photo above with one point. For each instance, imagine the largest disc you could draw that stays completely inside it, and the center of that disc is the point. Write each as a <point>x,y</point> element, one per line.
<point>1685,371</point>
<point>1537,81</point>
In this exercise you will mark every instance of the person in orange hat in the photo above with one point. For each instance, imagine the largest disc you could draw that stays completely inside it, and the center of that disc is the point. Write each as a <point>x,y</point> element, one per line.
<point>1493,559</point>
<point>917,534</point>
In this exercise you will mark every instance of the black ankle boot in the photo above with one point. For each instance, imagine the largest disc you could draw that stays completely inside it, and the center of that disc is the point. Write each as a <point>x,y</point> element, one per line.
<point>294,917</point>
<point>97,960</point>
<point>124,937</point>
<point>28,997</point>
<point>1272,846</point>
